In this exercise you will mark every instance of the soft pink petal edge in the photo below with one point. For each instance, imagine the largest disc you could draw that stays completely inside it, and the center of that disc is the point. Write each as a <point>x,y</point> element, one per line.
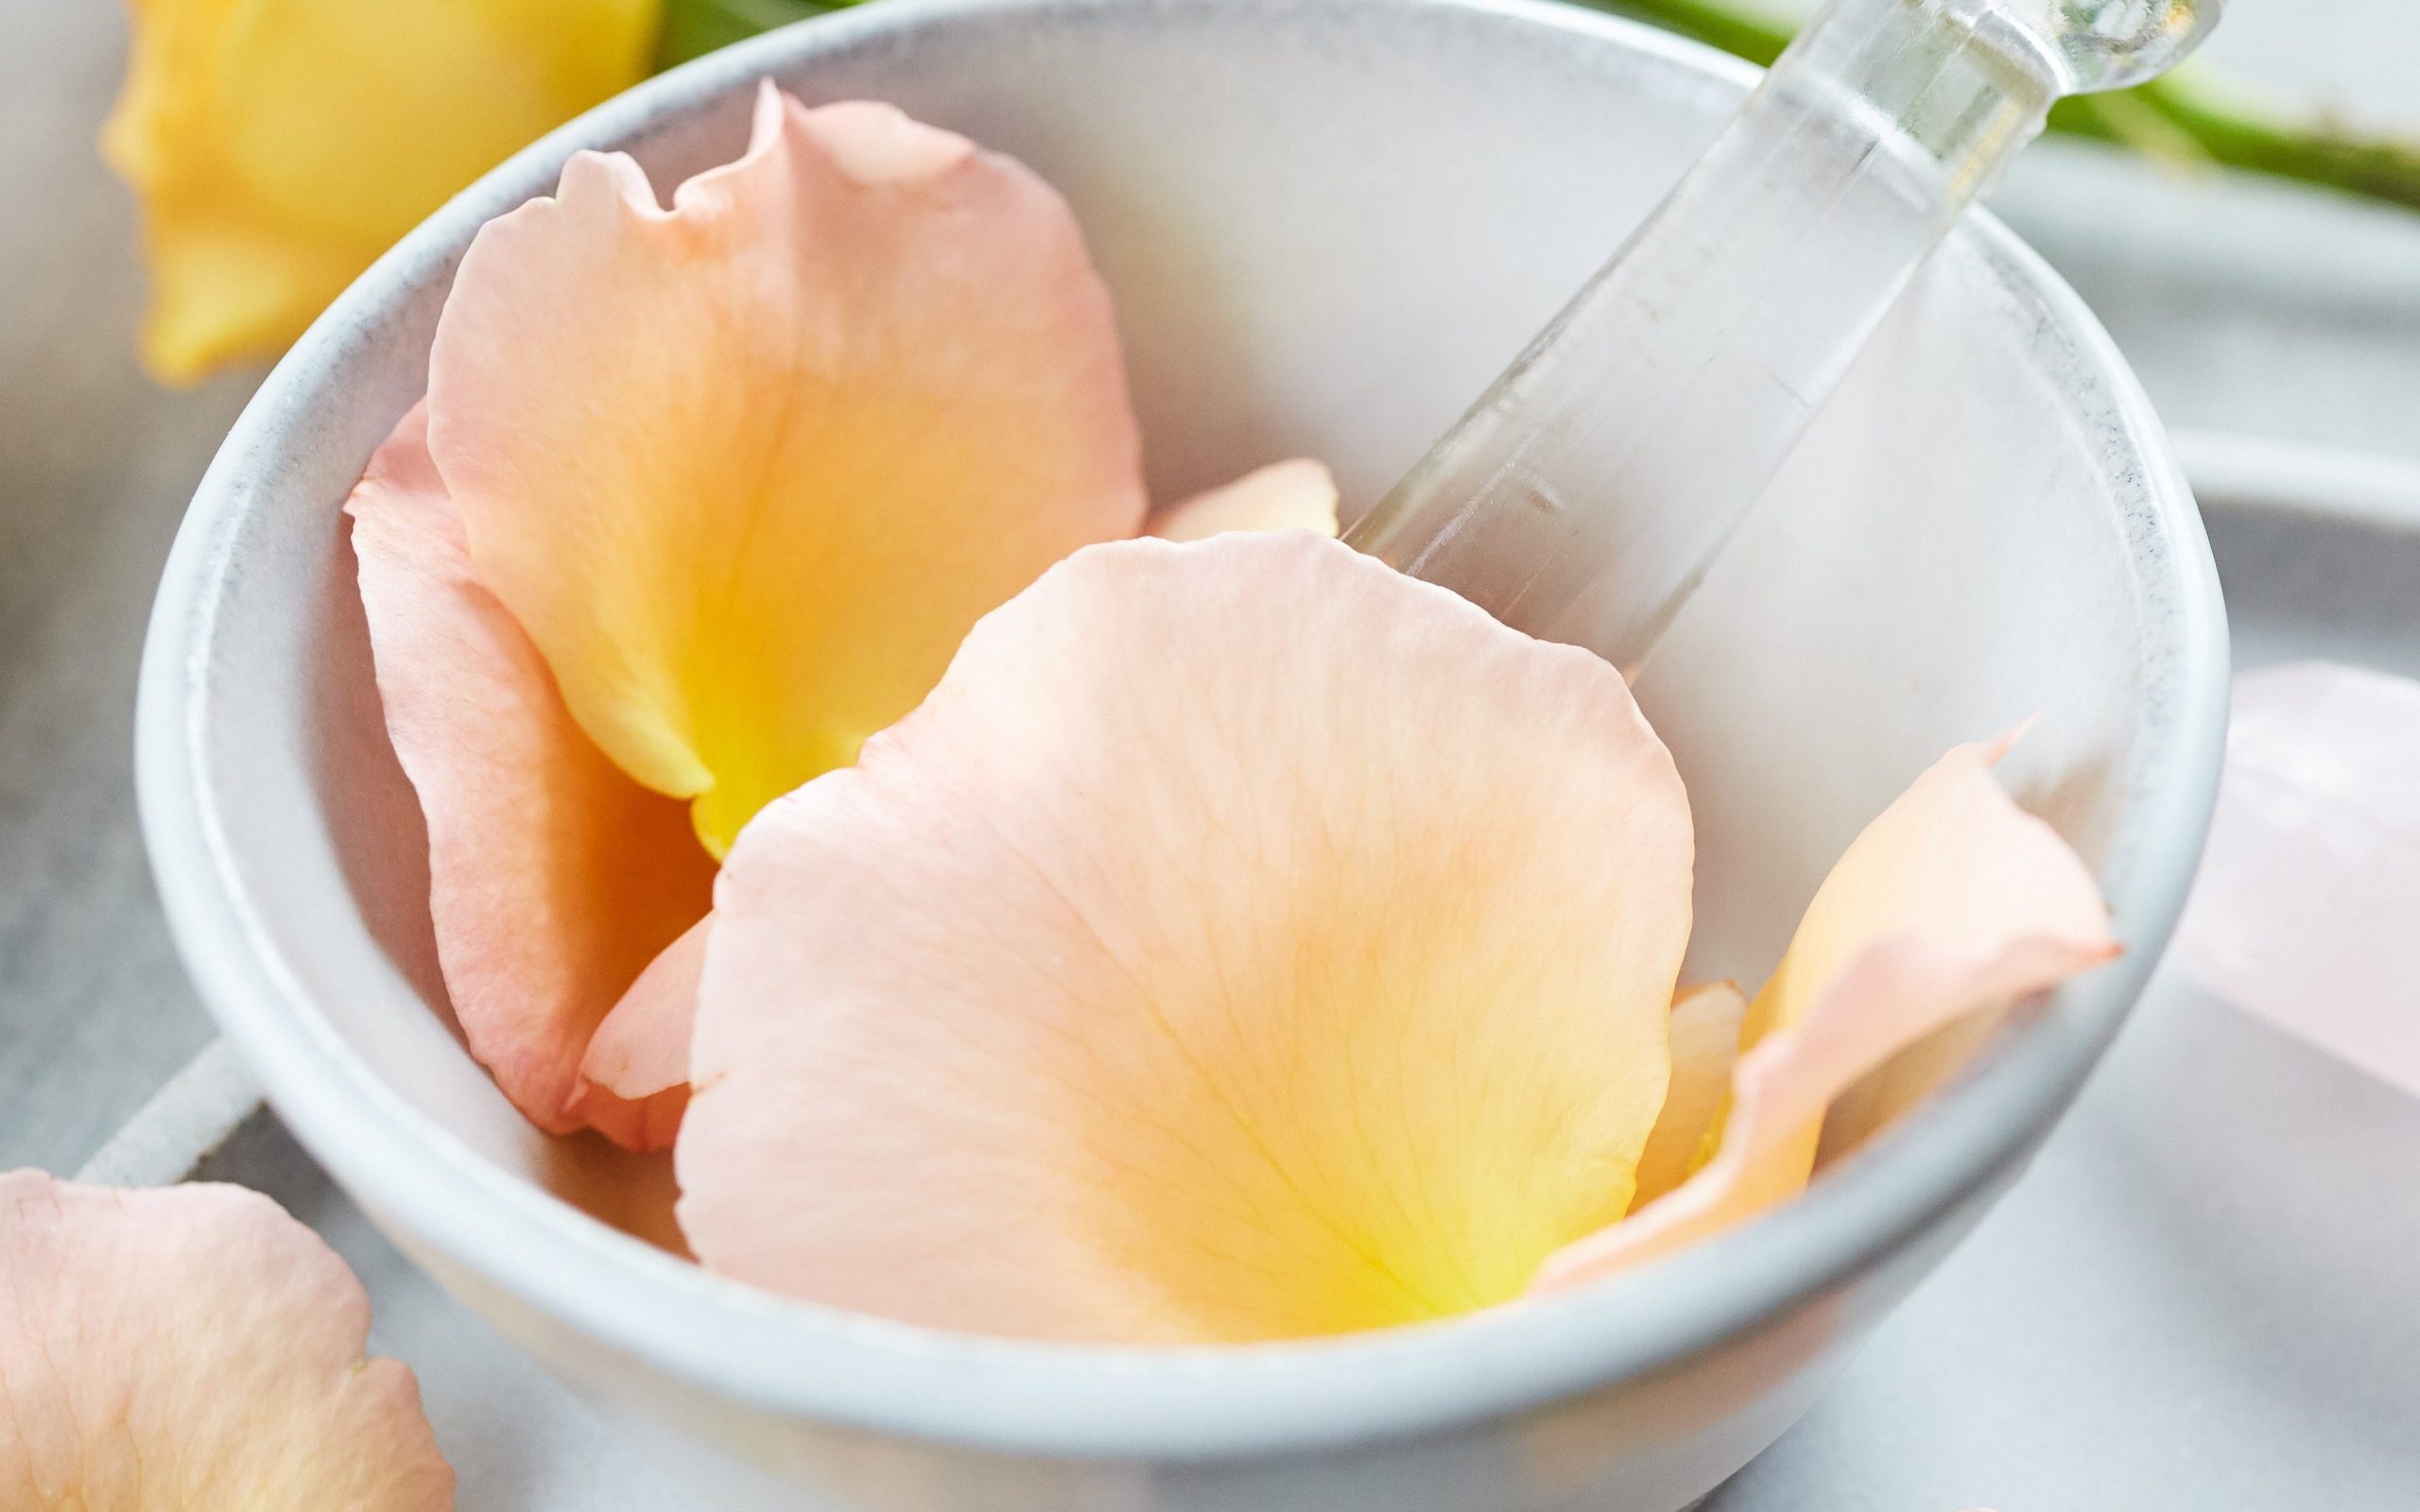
<point>1295,495</point>
<point>1926,964</point>
<point>1705,1046</point>
<point>202,1328</point>
<point>504,298</point>
<point>553,878</point>
<point>641,1051</point>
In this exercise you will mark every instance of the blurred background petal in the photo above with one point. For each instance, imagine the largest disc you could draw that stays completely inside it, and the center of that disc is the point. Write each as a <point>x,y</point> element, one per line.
<point>278,147</point>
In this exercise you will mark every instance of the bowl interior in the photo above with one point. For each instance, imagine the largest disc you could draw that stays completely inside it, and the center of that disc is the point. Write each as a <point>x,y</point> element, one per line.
<point>1327,223</point>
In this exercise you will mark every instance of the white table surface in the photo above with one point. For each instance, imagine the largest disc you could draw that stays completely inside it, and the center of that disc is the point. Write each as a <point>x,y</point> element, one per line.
<point>2248,308</point>
<point>2175,1310</point>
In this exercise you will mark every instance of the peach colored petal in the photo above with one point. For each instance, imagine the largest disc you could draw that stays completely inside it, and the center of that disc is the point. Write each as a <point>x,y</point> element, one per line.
<point>1882,1096</point>
<point>1243,942</point>
<point>1297,496</point>
<point>748,469</point>
<point>640,1056</point>
<point>2303,912</point>
<point>1953,901</point>
<point>194,1347</point>
<point>644,1124</point>
<point>553,878</point>
<point>1706,1045</point>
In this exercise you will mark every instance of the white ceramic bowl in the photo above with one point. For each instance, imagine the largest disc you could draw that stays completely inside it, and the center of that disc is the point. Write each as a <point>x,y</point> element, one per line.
<point>1327,222</point>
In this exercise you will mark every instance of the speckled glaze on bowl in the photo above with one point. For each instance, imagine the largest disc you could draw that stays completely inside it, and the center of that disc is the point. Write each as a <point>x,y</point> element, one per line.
<point>1327,223</point>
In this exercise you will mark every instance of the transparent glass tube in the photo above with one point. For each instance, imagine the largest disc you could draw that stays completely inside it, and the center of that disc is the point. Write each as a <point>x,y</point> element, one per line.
<point>1585,496</point>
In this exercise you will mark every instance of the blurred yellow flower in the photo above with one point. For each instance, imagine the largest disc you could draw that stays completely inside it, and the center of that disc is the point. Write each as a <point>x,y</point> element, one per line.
<point>280,146</point>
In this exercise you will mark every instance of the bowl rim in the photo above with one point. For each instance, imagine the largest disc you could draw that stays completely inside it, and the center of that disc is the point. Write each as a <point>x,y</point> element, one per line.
<point>800,1358</point>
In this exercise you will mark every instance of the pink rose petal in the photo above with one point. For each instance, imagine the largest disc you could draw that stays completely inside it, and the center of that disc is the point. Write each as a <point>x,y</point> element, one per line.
<point>1243,942</point>
<point>1953,901</point>
<point>2304,910</point>
<point>193,1348</point>
<point>553,879</point>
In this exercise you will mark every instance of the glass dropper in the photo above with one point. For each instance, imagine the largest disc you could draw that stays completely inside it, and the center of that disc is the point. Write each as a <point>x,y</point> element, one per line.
<point>1586,494</point>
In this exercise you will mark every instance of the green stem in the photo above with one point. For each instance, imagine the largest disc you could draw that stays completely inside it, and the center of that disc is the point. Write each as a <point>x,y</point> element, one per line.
<point>692,29</point>
<point>2187,116</point>
<point>1746,34</point>
<point>2228,129</point>
<point>2190,114</point>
